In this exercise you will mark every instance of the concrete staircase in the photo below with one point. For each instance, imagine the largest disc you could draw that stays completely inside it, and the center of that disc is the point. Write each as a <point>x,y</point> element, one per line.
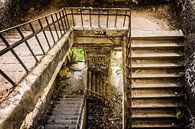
<point>66,112</point>
<point>156,93</point>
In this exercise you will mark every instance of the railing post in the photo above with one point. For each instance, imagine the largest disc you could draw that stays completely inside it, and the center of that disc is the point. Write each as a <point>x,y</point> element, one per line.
<point>55,26</point>
<point>44,33</point>
<point>62,22</point>
<point>95,82</point>
<point>92,81</point>
<point>33,30</point>
<point>58,21</point>
<point>88,79</point>
<point>50,30</point>
<point>66,17</point>
<point>98,85</point>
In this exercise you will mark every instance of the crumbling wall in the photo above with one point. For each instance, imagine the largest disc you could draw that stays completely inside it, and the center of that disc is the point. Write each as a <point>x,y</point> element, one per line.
<point>186,12</point>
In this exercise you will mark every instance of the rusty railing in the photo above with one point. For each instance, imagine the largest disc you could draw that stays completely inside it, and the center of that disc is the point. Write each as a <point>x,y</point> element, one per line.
<point>35,38</point>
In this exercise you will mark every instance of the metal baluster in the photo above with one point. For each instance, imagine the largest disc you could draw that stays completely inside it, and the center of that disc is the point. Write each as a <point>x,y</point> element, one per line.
<point>44,32</point>
<point>95,83</point>
<point>50,29</point>
<point>55,26</point>
<point>98,17</point>
<point>7,78</point>
<point>37,38</point>
<point>21,34</point>
<point>58,24</point>
<point>90,18</point>
<point>116,18</point>
<point>62,22</point>
<point>13,52</point>
<point>98,85</point>
<point>66,18</point>
<point>72,17</point>
<point>125,18</point>
<point>81,17</point>
<point>107,18</point>
<point>88,79</point>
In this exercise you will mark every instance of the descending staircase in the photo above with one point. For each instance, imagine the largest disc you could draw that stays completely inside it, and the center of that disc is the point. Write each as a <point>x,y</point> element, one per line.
<point>66,113</point>
<point>156,91</point>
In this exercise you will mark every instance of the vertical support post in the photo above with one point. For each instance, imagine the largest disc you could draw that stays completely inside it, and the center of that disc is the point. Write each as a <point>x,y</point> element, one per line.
<point>92,81</point>
<point>124,85</point>
<point>81,13</point>
<point>33,30</point>
<point>58,21</point>
<point>44,33</point>
<point>50,30</point>
<point>107,20</point>
<point>98,85</point>
<point>66,17</point>
<point>72,17</point>
<point>88,79</point>
<point>55,26</point>
<point>95,82</point>
<point>90,18</point>
<point>98,17</point>
<point>116,18</point>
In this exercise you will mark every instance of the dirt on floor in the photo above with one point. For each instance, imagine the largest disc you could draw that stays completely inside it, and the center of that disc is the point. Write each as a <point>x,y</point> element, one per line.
<point>154,18</point>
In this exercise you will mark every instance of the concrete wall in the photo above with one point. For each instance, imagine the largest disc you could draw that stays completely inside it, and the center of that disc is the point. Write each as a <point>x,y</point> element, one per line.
<point>186,12</point>
<point>24,104</point>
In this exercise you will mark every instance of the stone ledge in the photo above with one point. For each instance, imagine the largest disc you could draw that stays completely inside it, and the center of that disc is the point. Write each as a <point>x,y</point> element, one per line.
<point>34,87</point>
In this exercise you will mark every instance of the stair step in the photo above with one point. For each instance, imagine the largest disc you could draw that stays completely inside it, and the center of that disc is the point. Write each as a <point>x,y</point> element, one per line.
<point>63,117</point>
<point>157,106</point>
<point>68,102</point>
<point>156,113</point>
<point>57,126</point>
<point>60,121</point>
<point>156,93</point>
<point>138,125</point>
<point>155,35</point>
<point>156,86</point>
<point>156,103</point>
<point>65,113</point>
<point>156,96</point>
<point>63,109</point>
<point>151,115</point>
<point>156,55</point>
<point>140,76</point>
<point>157,45</point>
<point>170,65</point>
<point>71,99</point>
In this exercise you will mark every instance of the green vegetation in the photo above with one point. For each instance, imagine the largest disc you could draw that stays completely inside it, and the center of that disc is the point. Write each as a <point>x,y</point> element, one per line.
<point>79,54</point>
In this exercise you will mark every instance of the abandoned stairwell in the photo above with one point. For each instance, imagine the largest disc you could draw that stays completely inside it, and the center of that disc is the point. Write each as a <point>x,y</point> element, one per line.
<point>153,67</point>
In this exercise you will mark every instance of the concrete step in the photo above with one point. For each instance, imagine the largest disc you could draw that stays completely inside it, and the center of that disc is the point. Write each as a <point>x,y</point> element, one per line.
<point>57,126</point>
<point>157,45</point>
<point>154,123</point>
<point>156,75</point>
<point>144,66</point>
<point>156,55</point>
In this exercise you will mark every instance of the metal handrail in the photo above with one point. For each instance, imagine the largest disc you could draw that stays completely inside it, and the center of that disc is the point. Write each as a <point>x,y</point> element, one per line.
<point>94,94</point>
<point>81,113</point>
<point>61,21</point>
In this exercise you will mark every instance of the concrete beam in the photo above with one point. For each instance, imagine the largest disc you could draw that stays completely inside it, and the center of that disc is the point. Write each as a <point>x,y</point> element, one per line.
<point>98,37</point>
<point>32,94</point>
